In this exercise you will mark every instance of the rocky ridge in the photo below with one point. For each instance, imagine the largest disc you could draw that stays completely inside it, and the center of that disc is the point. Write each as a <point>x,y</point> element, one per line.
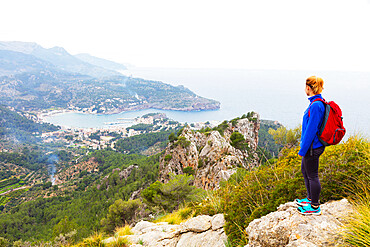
<point>287,227</point>
<point>210,155</point>
<point>203,230</point>
<point>284,227</point>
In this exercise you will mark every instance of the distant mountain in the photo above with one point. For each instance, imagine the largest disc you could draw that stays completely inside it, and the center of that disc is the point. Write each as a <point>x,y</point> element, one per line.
<point>35,78</point>
<point>47,89</point>
<point>59,57</point>
<point>13,62</point>
<point>100,62</point>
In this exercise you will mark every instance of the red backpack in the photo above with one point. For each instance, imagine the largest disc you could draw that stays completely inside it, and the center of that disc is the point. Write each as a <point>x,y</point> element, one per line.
<point>331,131</point>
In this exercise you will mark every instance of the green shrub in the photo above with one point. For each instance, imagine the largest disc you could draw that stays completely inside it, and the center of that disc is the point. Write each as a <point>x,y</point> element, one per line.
<point>238,141</point>
<point>222,127</point>
<point>200,163</point>
<point>168,157</point>
<point>189,170</point>
<point>4,242</point>
<point>64,226</point>
<point>183,142</point>
<point>172,137</point>
<point>120,212</point>
<point>169,196</point>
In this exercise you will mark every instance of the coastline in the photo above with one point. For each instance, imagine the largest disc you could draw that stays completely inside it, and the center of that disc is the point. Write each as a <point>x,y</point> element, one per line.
<point>48,113</point>
<point>78,119</point>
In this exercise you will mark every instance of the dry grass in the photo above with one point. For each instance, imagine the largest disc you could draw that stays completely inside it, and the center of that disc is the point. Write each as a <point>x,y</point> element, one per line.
<point>95,240</point>
<point>123,231</point>
<point>119,242</point>
<point>357,228</point>
<point>176,217</point>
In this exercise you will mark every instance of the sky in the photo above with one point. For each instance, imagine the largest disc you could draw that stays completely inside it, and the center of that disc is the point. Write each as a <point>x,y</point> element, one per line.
<point>246,34</point>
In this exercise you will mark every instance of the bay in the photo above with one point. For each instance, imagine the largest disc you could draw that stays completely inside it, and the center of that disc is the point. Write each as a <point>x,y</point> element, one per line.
<point>275,95</point>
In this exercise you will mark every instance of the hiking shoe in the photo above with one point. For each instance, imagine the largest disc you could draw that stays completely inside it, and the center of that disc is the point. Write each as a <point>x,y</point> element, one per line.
<point>309,210</point>
<point>302,202</point>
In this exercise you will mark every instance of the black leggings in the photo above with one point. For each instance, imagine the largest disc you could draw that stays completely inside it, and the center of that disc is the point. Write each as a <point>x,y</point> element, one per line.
<point>310,171</point>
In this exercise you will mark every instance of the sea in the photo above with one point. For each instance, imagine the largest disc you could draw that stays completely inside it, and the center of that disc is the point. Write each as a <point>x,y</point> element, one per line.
<point>275,94</point>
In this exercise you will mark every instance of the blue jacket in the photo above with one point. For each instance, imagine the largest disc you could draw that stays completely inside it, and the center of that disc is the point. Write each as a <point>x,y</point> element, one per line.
<point>311,125</point>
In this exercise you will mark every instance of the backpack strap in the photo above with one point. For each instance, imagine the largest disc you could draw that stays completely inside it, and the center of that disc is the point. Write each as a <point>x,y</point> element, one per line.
<point>318,99</point>
<point>323,101</point>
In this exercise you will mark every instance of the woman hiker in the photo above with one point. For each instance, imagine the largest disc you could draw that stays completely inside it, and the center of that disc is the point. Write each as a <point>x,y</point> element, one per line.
<point>311,147</point>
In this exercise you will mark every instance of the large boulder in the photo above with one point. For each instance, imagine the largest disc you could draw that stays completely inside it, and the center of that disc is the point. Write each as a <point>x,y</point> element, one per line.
<point>287,227</point>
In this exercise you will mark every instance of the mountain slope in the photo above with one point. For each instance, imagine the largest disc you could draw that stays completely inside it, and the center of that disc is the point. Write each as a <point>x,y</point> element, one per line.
<point>35,78</point>
<point>59,57</point>
<point>47,89</point>
<point>19,127</point>
<point>13,62</point>
<point>100,62</point>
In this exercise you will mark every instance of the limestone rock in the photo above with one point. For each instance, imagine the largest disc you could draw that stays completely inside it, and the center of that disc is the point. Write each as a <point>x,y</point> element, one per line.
<point>218,221</point>
<point>287,227</point>
<point>204,239</point>
<point>202,231</point>
<point>142,225</point>
<point>211,155</point>
<point>200,223</point>
<point>127,172</point>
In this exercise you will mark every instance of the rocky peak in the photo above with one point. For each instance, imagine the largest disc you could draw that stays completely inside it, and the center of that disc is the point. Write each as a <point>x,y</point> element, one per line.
<point>209,156</point>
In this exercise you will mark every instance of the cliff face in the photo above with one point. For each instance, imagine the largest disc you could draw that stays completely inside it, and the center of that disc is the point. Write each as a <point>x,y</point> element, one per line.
<point>210,156</point>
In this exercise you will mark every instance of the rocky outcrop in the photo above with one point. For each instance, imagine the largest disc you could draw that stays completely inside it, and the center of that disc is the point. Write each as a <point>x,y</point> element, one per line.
<point>201,231</point>
<point>210,155</point>
<point>124,174</point>
<point>287,227</point>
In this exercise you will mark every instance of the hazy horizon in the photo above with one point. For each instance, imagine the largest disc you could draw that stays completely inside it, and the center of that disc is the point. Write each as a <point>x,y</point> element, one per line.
<point>279,35</point>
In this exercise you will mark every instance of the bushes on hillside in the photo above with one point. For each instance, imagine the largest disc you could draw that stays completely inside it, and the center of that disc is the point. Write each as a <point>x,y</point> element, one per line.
<point>169,196</point>
<point>262,190</point>
<point>120,213</point>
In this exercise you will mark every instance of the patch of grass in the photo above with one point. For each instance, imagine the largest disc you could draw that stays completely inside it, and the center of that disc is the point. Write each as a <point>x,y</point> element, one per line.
<point>357,228</point>
<point>95,240</point>
<point>123,231</point>
<point>119,242</point>
<point>141,242</point>
<point>176,217</point>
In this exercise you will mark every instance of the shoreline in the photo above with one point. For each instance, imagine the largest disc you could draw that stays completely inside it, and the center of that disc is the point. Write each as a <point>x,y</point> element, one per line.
<point>41,115</point>
<point>110,123</point>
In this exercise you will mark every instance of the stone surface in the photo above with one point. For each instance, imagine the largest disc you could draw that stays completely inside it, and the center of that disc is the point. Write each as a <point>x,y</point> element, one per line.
<point>141,226</point>
<point>125,173</point>
<point>211,155</point>
<point>287,227</point>
<point>204,239</point>
<point>193,232</point>
<point>218,221</point>
<point>198,224</point>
